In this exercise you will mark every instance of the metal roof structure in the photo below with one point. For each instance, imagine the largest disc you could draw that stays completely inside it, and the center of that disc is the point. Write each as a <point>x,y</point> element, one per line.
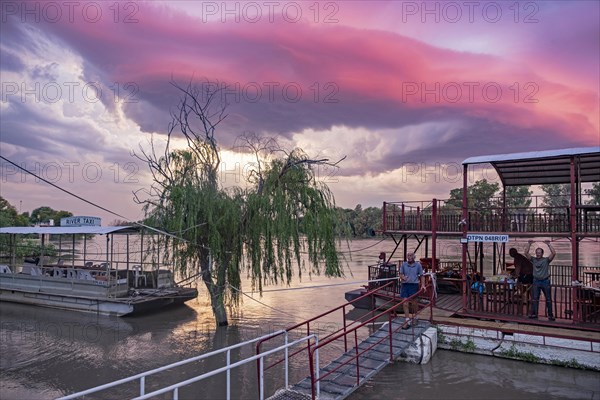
<point>69,230</point>
<point>544,167</point>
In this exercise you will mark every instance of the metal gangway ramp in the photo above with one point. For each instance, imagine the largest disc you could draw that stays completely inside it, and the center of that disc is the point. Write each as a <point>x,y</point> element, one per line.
<point>343,372</point>
<point>359,361</point>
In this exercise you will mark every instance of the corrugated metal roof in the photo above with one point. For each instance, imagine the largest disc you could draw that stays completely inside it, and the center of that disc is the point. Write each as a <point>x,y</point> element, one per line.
<point>68,230</point>
<point>543,167</point>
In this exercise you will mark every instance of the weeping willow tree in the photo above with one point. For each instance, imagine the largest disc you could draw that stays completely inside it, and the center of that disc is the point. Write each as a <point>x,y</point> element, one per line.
<point>262,229</point>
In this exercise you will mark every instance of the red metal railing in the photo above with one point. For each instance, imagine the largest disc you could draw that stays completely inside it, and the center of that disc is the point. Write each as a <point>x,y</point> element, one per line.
<point>390,313</point>
<point>512,301</point>
<point>386,288</point>
<point>538,218</point>
<point>388,293</point>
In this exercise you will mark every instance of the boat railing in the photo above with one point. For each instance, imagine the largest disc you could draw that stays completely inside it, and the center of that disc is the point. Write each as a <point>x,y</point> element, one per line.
<point>91,270</point>
<point>577,301</point>
<point>516,300</point>
<point>142,378</point>
<point>538,218</point>
<point>115,285</point>
<point>380,275</point>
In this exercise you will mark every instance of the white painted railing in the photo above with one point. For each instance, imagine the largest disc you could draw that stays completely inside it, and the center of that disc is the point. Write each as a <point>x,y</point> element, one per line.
<point>227,368</point>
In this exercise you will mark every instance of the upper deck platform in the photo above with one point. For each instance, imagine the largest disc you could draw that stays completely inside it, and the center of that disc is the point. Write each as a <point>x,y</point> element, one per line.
<point>575,217</point>
<point>417,217</point>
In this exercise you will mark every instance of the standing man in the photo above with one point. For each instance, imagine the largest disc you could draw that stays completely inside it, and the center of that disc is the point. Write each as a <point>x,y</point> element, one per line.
<point>411,273</point>
<point>541,278</point>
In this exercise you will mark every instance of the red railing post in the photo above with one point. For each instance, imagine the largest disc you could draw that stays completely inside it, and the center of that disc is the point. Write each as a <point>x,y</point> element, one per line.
<point>433,236</point>
<point>390,329</point>
<point>574,242</point>
<point>384,217</point>
<point>402,226</point>
<point>357,358</point>
<point>464,242</point>
<point>345,336</point>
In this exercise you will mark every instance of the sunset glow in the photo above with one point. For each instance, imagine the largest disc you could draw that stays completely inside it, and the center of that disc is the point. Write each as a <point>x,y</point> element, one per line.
<point>385,83</point>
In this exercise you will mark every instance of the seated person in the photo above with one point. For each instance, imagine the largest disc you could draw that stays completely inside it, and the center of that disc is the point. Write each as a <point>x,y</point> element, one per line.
<point>477,285</point>
<point>523,267</point>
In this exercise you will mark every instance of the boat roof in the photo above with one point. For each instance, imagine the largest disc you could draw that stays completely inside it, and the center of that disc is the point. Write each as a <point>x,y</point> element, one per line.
<point>543,167</point>
<point>69,230</point>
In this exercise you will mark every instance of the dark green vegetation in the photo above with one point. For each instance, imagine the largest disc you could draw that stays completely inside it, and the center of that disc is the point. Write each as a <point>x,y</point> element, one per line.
<point>9,216</point>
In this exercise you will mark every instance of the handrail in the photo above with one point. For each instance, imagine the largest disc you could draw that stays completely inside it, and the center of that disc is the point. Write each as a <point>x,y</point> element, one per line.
<point>175,387</point>
<point>307,323</point>
<point>143,375</point>
<point>353,327</point>
<point>389,312</point>
<point>343,306</point>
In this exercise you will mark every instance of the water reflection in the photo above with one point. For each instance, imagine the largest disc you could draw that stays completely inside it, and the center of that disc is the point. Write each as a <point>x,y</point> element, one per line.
<point>452,375</point>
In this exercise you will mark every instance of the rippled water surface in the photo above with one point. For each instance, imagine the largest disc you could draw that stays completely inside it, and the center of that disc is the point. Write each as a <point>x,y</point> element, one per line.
<point>46,353</point>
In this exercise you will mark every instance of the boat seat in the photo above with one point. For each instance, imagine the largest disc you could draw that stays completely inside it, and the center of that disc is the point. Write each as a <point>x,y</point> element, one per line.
<point>137,271</point>
<point>85,275</point>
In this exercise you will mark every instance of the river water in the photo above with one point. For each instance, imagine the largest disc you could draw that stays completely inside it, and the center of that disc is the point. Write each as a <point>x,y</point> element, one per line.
<point>47,353</point>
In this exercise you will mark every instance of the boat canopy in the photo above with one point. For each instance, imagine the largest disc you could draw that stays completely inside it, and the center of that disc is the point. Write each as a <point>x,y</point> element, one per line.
<point>69,230</point>
<point>544,167</point>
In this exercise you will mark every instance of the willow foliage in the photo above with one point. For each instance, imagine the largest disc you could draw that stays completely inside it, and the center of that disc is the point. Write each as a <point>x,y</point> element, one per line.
<point>204,221</point>
<point>290,212</point>
<point>267,227</point>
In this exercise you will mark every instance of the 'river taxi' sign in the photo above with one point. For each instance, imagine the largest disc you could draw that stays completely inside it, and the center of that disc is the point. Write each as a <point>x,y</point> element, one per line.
<point>80,221</point>
<point>487,238</point>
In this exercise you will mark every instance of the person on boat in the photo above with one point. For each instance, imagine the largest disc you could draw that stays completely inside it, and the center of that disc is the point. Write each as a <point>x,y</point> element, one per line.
<point>541,278</point>
<point>523,267</point>
<point>411,274</point>
<point>477,289</point>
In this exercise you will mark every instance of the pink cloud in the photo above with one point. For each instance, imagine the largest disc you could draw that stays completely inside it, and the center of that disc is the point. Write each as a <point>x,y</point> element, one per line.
<point>370,71</point>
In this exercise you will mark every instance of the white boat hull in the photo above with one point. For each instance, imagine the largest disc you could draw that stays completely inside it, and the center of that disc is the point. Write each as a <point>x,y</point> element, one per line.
<point>86,296</point>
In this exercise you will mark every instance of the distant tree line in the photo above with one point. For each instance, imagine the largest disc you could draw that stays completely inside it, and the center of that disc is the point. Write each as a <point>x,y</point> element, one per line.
<point>367,222</point>
<point>359,222</point>
<point>483,195</point>
<point>9,216</point>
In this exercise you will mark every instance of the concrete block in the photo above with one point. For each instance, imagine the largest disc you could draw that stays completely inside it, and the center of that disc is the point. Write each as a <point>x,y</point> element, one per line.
<point>569,343</point>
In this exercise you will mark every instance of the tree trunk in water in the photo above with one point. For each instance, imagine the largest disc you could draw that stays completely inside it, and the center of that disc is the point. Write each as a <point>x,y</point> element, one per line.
<point>216,293</point>
<point>216,300</point>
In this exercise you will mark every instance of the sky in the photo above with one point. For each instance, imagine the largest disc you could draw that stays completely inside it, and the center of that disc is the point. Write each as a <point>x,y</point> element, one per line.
<point>404,90</point>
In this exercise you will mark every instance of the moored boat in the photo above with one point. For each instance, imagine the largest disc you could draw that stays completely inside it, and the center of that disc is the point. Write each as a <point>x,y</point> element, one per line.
<point>85,278</point>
